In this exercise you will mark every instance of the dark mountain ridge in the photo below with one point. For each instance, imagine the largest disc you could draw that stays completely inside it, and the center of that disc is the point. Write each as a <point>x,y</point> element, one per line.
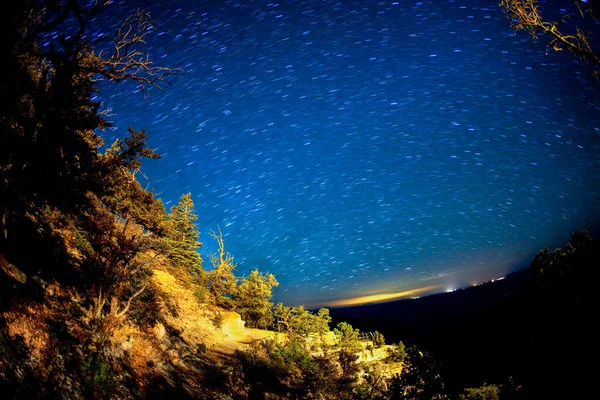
<point>535,327</point>
<point>473,331</point>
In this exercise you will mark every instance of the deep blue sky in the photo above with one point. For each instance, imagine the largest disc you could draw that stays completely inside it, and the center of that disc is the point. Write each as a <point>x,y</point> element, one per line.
<point>354,148</point>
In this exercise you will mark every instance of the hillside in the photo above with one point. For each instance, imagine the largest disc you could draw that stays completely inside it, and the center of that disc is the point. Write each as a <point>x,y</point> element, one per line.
<point>191,351</point>
<point>221,331</point>
<point>107,294</point>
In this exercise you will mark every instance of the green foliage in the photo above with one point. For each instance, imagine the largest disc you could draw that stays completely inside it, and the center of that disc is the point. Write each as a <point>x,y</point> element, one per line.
<point>349,343</point>
<point>291,354</point>
<point>373,384</point>
<point>259,375</point>
<point>348,363</point>
<point>201,348</point>
<point>48,148</point>
<point>253,299</point>
<point>297,321</point>
<point>183,236</point>
<point>378,340</point>
<point>347,337</point>
<point>396,354</point>
<point>97,376</point>
<point>420,378</point>
<point>322,321</point>
<point>484,392</point>
<point>218,320</point>
<point>370,348</point>
<point>201,294</point>
<point>275,370</point>
<point>321,381</point>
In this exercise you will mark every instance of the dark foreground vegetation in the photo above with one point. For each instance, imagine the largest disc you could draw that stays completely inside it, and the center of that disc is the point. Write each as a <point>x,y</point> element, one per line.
<point>535,326</point>
<point>81,313</point>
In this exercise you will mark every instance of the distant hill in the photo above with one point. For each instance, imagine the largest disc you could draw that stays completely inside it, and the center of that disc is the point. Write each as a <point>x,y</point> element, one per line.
<point>537,325</point>
<point>473,332</point>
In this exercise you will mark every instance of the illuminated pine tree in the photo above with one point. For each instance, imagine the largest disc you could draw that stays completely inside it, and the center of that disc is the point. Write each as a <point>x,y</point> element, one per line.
<point>183,237</point>
<point>253,299</point>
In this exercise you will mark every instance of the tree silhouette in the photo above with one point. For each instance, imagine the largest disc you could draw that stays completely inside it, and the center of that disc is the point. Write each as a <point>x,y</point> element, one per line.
<point>420,378</point>
<point>70,213</point>
<point>560,310</point>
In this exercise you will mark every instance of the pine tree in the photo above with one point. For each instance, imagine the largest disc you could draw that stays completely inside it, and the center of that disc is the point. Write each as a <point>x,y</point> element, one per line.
<point>253,299</point>
<point>183,237</point>
<point>350,345</point>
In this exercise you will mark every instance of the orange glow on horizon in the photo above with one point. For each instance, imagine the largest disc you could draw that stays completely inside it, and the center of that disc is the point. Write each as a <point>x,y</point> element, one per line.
<point>376,298</point>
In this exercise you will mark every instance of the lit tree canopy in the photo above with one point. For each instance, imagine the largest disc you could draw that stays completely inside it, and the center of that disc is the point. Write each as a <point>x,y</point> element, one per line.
<point>183,236</point>
<point>253,299</point>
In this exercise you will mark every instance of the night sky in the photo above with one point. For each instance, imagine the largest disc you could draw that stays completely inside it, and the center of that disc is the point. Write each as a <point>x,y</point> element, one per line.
<point>357,148</point>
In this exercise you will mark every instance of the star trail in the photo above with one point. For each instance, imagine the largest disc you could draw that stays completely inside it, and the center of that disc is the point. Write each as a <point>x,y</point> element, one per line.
<point>362,148</point>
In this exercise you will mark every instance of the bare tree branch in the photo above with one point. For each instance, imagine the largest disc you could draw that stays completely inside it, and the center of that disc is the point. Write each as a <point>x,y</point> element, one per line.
<point>127,61</point>
<point>223,258</point>
<point>102,323</point>
<point>525,15</point>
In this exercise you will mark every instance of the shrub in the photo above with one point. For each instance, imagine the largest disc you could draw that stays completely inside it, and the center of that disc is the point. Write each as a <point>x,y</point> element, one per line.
<point>145,311</point>
<point>97,376</point>
<point>378,340</point>
<point>253,299</point>
<point>348,337</point>
<point>201,294</point>
<point>397,353</point>
<point>218,320</point>
<point>484,392</point>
